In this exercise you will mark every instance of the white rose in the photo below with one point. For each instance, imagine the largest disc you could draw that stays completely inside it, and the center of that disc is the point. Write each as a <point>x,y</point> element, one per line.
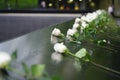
<point>104,40</point>
<point>5,58</point>
<point>56,32</point>
<point>84,24</point>
<point>76,25</point>
<point>60,47</point>
<point>83,18</point>
<point>56,57</point>
<point>71,32</point>
<point>99,12</point>
<point>94,15</point>
<point>89,17</point>
<point>77,20</point>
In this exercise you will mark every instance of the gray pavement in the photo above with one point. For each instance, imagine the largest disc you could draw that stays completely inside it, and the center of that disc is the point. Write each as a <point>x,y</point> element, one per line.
<point>14,25</point>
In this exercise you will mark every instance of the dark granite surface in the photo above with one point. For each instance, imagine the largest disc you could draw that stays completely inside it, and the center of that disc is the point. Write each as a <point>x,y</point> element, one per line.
<point>35,48</point>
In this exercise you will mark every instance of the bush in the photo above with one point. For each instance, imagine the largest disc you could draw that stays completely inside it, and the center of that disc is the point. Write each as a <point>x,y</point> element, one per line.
<point>22,4</point>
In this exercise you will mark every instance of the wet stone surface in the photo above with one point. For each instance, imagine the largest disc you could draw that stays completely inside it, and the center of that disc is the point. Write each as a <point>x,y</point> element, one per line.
<point>35,47</point>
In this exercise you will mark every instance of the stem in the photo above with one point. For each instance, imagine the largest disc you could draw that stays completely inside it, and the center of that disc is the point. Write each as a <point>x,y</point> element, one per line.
<point>106,48</point>
<point>97,65</point>
<point>72,55</point>
<point>105,68</point>
<point>112,36</point>
<point>115,51</point>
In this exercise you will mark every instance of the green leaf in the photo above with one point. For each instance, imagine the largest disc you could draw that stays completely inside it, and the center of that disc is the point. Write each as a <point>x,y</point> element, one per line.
<point>14,55</point>
<point>76,35</point>
<point>26,68</point>
<point>81,53</point>
<point>37,70</point>
<point>56,78</point>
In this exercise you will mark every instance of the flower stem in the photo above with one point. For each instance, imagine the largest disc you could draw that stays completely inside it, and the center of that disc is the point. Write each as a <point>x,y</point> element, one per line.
<point>105,68</point>
<point>95,64</point>
<point>72,55</point>
<point>112,36</point>
<point>106,48</point>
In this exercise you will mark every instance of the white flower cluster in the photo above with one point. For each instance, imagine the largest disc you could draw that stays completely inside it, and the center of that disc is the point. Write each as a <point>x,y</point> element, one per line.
<point>73,31</point>
<point>81,23</point>
<point>89,17</point>
<point>5,59</point>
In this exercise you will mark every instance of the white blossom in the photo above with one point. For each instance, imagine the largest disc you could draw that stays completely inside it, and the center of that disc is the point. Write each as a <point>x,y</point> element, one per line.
<point>60,47</point>
<point>91,16</point>
<point>99,12</point>
<point>5,58</point>
<point>83,18</point>
<point>56,32</point>
<point>104,40</point>
<point>76,25</point>
<point>84,24</point>
<point>77,20</point>
<point>57,57</point>
<point>70,38</point>
<point>71,32</point>
<point>94,15</point>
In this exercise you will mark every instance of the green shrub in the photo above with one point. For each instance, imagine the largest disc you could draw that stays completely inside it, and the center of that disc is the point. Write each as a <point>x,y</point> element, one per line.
<point>2,5</point>
<point>22,4</point>
<point>25,4</point>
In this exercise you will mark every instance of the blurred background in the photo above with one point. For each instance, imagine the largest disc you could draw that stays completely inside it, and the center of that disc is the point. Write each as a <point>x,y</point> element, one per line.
<point>59,5</point>
<point>18,17</point>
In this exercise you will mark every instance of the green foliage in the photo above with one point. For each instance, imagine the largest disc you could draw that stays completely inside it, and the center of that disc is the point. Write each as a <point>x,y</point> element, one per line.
<point>44,78</point>
<point>37,70</point>
<point>14,55</point>
<point>11,4</point>
<point>25,4</point>
<point>2,4</point>
<point>25,68</point>
<point>81,53</point>
<point>75,36</point>
<point>21,4</point>
<point>56,78</point>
